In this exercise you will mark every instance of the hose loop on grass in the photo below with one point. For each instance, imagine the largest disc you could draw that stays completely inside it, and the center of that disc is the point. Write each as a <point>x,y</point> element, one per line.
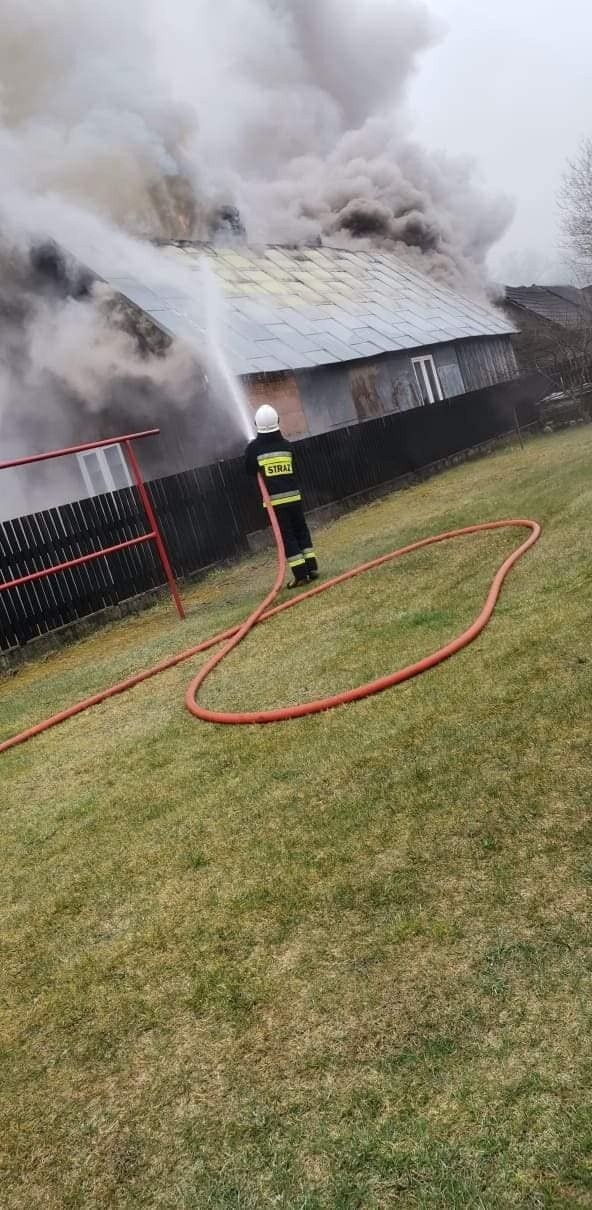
<point>266,610</point>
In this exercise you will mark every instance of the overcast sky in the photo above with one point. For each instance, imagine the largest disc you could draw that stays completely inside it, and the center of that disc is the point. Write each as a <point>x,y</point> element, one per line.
<point>511,83</point>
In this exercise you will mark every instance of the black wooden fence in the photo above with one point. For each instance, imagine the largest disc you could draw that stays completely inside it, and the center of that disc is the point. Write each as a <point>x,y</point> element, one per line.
<point>206,514</point>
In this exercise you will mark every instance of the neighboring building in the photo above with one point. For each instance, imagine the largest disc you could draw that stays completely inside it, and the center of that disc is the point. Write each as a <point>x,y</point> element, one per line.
<point>332,336</point>
<point>562,305</point>
<point>554,324</point>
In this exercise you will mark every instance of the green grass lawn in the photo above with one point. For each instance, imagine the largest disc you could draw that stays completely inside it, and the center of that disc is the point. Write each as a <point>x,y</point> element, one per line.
<point>343,962</point>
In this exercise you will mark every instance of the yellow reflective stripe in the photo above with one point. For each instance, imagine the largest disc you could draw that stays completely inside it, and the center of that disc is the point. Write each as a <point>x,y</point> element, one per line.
<point>309,553</point>
<point>298,561</point>
<point>291,498</point>
<point>277,454</point>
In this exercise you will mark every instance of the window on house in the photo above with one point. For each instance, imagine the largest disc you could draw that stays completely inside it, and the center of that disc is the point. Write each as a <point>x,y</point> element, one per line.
<point>427,378</point>
<point>104,470</point>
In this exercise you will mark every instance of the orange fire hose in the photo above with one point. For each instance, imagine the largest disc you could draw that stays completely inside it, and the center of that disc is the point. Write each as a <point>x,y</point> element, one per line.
<point>235,635</point>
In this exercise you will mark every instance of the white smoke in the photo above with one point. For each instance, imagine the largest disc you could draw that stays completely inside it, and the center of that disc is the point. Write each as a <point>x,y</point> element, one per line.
<point>303,124</point>
<point>152,114</point>
<point>122,122</point>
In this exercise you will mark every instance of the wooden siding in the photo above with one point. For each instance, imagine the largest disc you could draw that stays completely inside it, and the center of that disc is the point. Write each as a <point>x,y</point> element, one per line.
<point>487,361</point>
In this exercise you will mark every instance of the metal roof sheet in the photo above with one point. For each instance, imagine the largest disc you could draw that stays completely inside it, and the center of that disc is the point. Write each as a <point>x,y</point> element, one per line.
<point>563,305</point>
<point>302,307</point>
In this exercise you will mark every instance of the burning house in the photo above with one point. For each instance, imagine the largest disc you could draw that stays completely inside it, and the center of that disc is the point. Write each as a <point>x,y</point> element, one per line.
<point>336,336</point>
<point>332,335</point>
<point>341,276</point>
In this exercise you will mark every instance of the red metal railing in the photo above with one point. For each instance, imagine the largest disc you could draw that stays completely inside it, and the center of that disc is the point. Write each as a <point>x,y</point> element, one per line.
<point>153,534</point>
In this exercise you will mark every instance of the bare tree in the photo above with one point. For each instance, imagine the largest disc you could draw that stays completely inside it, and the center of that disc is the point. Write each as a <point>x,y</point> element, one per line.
<point>575,204</point>
<point>569,364</point>
<point>562,354</point>
<point>556,340</point>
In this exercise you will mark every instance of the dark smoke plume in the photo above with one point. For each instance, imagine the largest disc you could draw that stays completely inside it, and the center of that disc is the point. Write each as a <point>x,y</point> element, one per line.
<point>127,123</point>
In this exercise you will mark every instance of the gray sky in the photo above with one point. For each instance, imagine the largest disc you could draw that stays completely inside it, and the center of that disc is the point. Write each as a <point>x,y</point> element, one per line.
<point>511,84</point>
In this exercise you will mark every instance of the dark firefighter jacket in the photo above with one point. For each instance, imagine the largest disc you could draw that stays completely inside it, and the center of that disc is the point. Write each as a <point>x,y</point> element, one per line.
<point>273,457</point>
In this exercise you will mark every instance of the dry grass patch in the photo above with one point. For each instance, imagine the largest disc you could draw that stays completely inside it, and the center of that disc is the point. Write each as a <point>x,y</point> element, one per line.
<point>343,963</point>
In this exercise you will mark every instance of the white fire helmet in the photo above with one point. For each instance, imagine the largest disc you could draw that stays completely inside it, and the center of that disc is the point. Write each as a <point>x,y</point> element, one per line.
<point>266,419</point>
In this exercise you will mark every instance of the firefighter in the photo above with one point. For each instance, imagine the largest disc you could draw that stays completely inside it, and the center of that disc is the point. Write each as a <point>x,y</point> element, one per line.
<point>271,456</point>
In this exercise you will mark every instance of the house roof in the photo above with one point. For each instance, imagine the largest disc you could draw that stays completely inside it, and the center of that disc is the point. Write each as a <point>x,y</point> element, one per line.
<point>291,308</point>
<point>564,305</point>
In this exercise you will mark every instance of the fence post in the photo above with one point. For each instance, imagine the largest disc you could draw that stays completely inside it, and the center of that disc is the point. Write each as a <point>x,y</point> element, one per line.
<point>518,429</point>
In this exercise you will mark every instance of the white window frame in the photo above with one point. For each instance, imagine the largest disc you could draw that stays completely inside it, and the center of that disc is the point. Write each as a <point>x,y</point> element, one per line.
<point>421,375</point>
<point>99,455</point>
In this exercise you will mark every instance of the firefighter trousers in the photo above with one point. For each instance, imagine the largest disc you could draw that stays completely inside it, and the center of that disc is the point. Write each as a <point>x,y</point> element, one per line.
<point>297,541</point>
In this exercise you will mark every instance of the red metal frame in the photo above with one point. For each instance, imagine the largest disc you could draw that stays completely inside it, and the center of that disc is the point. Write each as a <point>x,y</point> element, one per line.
<point>153,535</point>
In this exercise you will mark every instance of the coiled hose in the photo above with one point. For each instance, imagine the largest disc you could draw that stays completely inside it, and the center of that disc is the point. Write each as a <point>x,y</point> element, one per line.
<point>229,639</point>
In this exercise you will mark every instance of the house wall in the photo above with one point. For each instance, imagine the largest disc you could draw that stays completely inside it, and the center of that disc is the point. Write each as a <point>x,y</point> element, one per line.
<point>309,401</point>
<point>194,434</point>
<point>282,392</point>
<point>43,485</point>
<point>396,377</point>
<point>449,371</point>
<point>486,361</point>
<point>327,398</point>
<point>396,387</point>
<point>337,395</point>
